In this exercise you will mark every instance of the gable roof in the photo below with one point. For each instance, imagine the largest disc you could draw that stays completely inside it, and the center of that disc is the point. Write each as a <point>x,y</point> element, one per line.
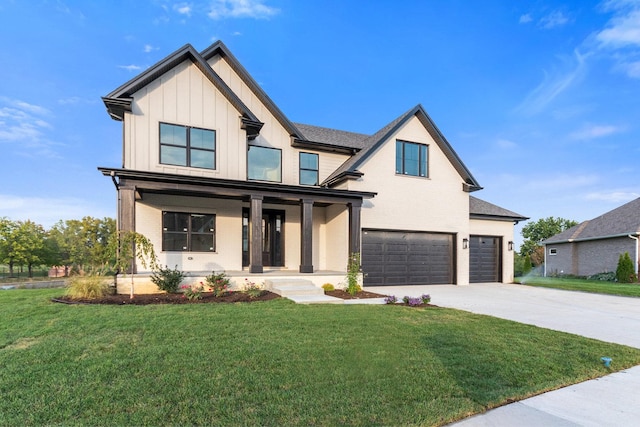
<point>349,169</point>
<point>622,221</point>
<point>479,209</point>
<point>120,100</point>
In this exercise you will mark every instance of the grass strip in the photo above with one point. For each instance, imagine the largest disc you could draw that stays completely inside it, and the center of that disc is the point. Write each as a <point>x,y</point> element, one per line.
<point>583,285</point>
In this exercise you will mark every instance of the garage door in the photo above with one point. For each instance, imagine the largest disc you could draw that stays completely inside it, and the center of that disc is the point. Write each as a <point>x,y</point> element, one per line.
<point>484,259</point>
<point>406,258</point>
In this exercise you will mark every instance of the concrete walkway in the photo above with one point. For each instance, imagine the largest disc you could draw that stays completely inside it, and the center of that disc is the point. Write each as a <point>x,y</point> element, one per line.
<point>613,400</point>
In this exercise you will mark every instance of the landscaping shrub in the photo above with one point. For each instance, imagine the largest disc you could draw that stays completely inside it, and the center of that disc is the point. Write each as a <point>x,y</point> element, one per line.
<point>526,268</point>
<point>219,283</point>
<point>608,276</point>
<point>168,279</point>
<point>193,292</point>
<point>89,287</point>
<point>625,273</point>
<point>252,289</point>
<point>353,269</point>
<point>391,299</point>
<point>328,287</point>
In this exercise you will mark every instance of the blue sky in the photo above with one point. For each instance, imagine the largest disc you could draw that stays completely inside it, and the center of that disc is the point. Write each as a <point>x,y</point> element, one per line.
<point>539,98</point>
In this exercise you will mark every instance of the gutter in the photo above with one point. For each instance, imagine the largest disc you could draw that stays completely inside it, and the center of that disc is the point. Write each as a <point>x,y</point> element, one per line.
<point>587,239</point>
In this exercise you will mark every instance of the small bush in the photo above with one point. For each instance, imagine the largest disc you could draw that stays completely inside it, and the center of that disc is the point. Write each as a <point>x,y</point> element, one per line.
<point>219,283</point>
<point>391,299</point>
<point>328,287</point>
<point>609,276</point>
<point>193,292</point>
<point>426,298</point>
<point>167,279</point>
<point>625,273</point>
<point>353,269</point>
<point>88,287</point>
<point>252,289</point>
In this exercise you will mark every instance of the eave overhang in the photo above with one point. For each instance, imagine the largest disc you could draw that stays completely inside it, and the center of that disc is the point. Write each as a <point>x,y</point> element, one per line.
<point>153,181</point>
<point>323,146</point>
<point>589,239</point>
<point>514,219</point>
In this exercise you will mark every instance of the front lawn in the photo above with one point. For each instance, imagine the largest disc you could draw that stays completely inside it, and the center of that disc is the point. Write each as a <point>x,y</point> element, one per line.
<point>593,286</point>
<point>273,363</point>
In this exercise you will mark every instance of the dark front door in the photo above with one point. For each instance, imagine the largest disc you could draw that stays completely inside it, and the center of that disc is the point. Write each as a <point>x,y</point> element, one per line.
<point>272,238</point>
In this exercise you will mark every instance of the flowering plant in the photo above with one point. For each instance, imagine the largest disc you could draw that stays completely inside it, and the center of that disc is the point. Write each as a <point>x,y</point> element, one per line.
<point>426,298</point>
<point>252,289</point>
<point>391,299</point>
<point>218,283</point>
<point>192,292</point>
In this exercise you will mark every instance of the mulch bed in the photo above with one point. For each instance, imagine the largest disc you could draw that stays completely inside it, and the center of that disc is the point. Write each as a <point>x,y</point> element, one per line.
<point>146,299</point>
<point>339,293</point>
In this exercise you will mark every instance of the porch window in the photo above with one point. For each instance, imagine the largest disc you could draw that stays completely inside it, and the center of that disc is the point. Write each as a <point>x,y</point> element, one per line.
<point>188,232</point>
<point>412,159</point>
<point>187,146</point>
<point>264,164</point>
<point>308,169</point>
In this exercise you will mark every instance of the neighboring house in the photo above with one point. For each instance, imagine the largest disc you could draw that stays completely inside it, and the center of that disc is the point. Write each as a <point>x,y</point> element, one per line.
<point>595,246</point>
<point>219,179</point>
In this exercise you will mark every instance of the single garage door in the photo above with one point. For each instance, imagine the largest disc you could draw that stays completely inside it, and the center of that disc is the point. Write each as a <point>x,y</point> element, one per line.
<point>484,259</point>
<point>407,258</point>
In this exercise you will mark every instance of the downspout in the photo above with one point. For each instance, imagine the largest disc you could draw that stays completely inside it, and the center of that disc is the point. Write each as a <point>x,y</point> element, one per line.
<point>636,257</point>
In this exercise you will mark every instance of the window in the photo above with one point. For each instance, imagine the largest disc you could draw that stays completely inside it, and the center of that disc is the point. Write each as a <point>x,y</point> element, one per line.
<point>187,146</point>
<point>411,159</point>
<point>188,232</point>
<point>264,164</point>
<point>553,251</point>
<point>308,169</point>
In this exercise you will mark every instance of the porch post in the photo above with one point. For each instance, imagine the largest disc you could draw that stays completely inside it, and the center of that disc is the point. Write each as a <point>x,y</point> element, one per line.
<point>306,236</point>
<point>255,256</point>
<point>127,217</point>
<point>354,226</point>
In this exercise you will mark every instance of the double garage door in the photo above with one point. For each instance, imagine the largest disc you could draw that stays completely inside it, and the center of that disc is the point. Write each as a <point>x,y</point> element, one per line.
<point>395,258</point>
<point>407,258</point>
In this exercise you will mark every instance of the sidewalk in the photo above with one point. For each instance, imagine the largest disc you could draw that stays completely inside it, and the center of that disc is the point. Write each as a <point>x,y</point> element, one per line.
<point>613,400</point>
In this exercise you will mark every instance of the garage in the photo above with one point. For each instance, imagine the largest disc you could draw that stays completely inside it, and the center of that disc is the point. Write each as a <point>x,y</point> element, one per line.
<point>484,259</point>
<point>391,258</point>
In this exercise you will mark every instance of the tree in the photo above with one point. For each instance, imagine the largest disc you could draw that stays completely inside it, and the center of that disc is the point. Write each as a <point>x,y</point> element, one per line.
<point>625,273</point>
<point>7,242</point>
<point>536,232</point>
<point>29,244</point>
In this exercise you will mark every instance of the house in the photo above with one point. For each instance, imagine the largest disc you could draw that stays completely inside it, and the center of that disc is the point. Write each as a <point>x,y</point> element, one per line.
<point>595,246</point>
<point>219,179</point>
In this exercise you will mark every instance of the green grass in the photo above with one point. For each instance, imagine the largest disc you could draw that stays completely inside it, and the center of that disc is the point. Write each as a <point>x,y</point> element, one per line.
<point>273,363</point>
<point>593,286</point>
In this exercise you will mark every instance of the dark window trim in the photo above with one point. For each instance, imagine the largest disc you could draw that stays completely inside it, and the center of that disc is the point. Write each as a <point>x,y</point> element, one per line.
<point>189,231</point>
<point>188,147</point>
<point>317,171</point>
<point>268,148</point>
<point>420,160</point>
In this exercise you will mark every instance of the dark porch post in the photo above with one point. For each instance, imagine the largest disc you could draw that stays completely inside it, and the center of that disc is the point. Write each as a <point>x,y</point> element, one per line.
<point>255,257</point>
<point>354,226</point>
<point>306,236</point>
<point>127,217</point>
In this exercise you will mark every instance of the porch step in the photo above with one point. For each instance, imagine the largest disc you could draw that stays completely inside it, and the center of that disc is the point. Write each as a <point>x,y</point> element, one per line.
<point>300,291</point>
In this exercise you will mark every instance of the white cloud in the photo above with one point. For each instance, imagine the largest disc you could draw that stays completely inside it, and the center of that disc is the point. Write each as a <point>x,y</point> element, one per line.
<point>623,30</point>
<point>183,8</point>
<point>47,211</point>
<point>505,144</point>
<point>526,18</point>
<point>554,85</point>
<point>595,131</point>
<point>130,67</point>
<point>220,9</point>
<point>614,196</point>
<point>149,48</point>
<point>237,33</point>
<point>553,20</point>
<point>561,182</point>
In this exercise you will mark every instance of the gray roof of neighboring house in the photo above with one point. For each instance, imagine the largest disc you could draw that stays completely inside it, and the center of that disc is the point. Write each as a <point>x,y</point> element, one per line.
<point>329,136</point>
<point>371,144</point>
<point>479,209</point>
<point>621,221</point>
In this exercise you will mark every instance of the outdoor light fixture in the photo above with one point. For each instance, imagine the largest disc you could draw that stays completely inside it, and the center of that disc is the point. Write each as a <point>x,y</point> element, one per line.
<point>510,245</point>
<point>465,243</point>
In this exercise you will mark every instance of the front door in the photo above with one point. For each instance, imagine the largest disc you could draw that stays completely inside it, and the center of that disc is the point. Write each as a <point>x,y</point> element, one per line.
<point>272,238</point>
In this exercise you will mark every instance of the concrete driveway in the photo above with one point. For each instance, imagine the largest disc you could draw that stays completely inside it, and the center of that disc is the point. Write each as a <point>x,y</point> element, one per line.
<point>608,401</point>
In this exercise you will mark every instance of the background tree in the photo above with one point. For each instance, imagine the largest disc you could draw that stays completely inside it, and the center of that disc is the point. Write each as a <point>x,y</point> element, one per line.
<point>29,244</point>
<point>536,232</point>
<point>7,242</point>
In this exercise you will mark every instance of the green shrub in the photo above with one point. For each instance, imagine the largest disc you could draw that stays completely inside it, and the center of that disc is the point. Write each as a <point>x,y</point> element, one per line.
<point>353,269</point>
<point>328,287</point>
<point>167,279</point>
<point>526,268</point>
<point>609,276</point>
<point>88,287</point>
<point>252,289</point>
<point>219,283</point>
<point>625,273</point>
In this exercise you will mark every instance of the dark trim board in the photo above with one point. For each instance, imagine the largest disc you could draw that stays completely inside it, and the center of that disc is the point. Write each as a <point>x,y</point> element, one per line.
<point>396,257</point>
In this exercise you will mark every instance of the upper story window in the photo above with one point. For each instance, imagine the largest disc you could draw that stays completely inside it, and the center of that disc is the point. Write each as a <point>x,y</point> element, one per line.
<point>264,164</point>
<point>188,232</point>
<point>187,146</point>
<point>308,169</point>
<point>412,159</point>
